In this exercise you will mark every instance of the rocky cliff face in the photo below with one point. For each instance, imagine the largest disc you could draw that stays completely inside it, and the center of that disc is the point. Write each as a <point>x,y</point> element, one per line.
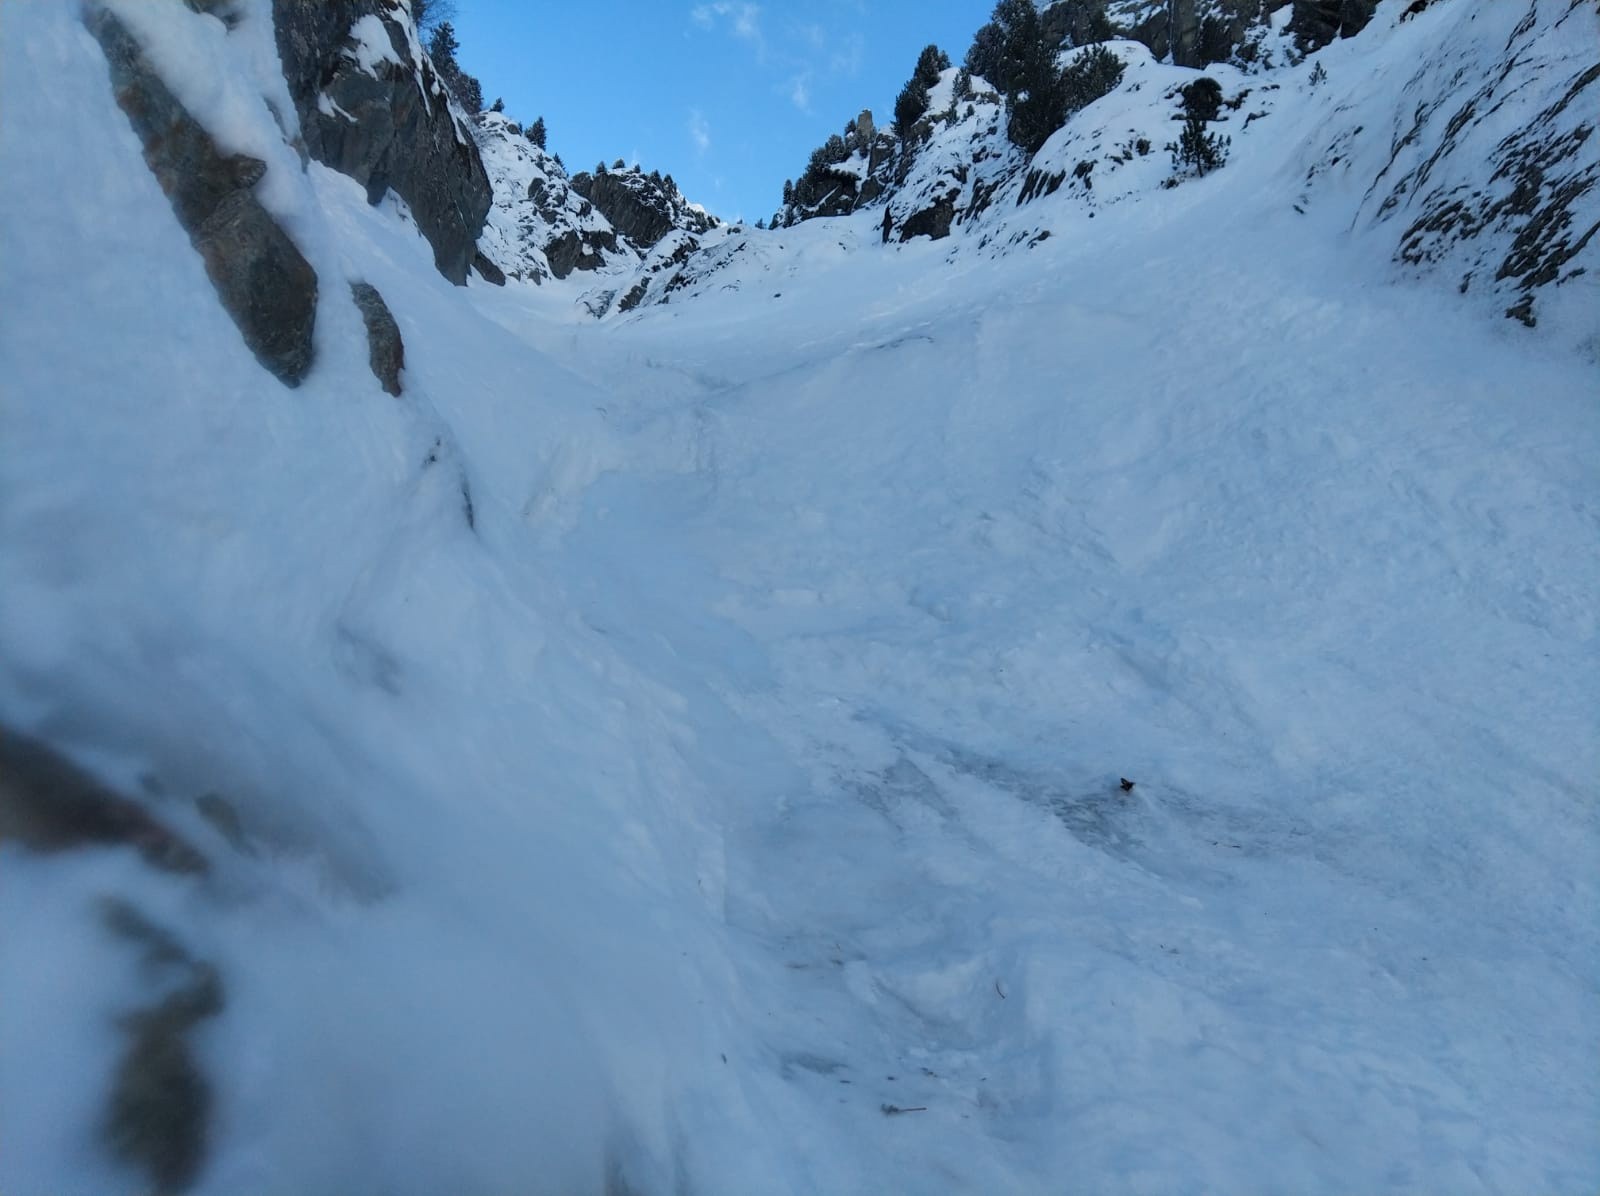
<point>548,224</point>
<point>1197,33</point>
<point>1317,22</point>
<point>262,279</point>
<point>540,227</point>
<point>641,207</point>
<point>372,106</point>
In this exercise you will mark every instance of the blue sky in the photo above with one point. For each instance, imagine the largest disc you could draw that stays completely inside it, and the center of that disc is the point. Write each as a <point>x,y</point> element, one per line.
<point>728,96</point>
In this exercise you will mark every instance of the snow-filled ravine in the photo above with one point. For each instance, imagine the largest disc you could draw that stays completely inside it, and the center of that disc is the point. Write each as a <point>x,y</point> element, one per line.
<point>732,804</point>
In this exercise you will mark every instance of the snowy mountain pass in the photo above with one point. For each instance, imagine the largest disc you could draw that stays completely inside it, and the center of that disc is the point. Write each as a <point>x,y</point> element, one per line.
<point>684,752</point>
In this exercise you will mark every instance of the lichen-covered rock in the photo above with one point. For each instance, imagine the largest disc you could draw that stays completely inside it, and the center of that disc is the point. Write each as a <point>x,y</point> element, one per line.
<point>386,352</point>
<point>372,106</point>
<point>261,277</point>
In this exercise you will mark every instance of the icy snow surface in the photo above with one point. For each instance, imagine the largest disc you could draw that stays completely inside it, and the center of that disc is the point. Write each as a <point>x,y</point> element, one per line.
<point>735,807</point>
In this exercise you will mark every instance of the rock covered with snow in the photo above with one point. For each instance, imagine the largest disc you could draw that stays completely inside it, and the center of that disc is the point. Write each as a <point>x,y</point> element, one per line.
<point>547,223</point>
<point>642,207</point>
<point>371,105</point>
<point>1197,33</point>
<point>846,173</point>
<point>261,277</point>
<point>1488,170</point>
<point>539,226</point>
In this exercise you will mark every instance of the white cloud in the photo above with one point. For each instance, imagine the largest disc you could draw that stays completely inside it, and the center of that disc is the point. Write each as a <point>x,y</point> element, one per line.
<point>699,131</point>
<point>743,20</point>
<point>800,91</point>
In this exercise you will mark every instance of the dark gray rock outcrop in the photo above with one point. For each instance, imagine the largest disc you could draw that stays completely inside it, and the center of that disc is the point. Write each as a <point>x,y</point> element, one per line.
<point>1183,33</point>
<point>848,172</point>
<point>641,207</point>
<point>389,127</point>
<point>572,250</point>
<point>1315,23</point>
<point>487,270</point>
<point>1194,33</point>
<point>262,279</point>
<point>933,221</point>
<point>1074,23</point>
<point>386,352</point>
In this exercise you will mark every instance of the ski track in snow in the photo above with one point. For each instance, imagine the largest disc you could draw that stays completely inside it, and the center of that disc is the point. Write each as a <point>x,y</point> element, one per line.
<point>740,797</point>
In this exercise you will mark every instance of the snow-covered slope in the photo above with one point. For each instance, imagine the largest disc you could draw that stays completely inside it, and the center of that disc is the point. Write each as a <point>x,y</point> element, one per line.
<point>681,752</point>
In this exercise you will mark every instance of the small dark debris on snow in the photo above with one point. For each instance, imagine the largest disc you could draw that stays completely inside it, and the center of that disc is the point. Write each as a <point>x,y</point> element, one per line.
<point>893,1110</point>
<point>1127,785</point>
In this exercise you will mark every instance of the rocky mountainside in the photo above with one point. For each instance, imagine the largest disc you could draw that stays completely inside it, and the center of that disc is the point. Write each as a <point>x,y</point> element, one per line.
<point>548,224</point>
<point>1458,141</point>
<point>1407,158</point>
